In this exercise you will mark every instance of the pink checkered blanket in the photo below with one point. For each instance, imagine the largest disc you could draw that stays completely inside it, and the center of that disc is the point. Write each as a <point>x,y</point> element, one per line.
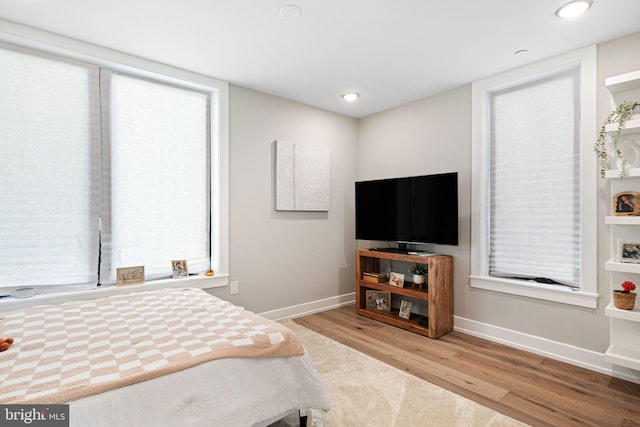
<point>65,352</point>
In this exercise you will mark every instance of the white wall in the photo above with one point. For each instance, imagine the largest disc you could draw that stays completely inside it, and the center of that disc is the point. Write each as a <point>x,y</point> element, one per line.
<point>283,259</point>
<point>425,137</point>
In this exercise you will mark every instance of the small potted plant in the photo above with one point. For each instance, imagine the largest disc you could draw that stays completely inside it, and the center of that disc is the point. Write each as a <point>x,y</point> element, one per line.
<point>606,145</point>
<point>625,299</point>
<point>419,272</point>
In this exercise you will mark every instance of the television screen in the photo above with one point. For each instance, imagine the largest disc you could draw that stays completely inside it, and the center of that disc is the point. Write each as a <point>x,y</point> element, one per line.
<point>418,209</point>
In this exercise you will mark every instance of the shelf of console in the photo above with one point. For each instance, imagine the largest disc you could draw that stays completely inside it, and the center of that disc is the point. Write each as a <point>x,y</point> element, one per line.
<point>392,318</point>
<point>408,290</point>
<point>394,256</point>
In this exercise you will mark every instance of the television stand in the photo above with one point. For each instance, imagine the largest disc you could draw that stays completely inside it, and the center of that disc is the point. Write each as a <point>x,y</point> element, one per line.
<point>437,321</point>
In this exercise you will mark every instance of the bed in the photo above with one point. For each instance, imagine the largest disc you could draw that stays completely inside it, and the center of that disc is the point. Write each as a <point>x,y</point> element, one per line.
<point>161,358</point>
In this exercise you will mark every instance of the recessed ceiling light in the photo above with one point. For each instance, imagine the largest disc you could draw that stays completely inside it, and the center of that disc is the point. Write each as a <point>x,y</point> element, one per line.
<point>350,96</point>
<point>574,8</point>
<point>290,11</point>
<point>521,52</point>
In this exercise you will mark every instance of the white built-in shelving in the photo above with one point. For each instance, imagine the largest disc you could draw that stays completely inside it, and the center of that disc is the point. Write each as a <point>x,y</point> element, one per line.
<point>622,220</point>
<point>631,126</point>
<point>624,348</point>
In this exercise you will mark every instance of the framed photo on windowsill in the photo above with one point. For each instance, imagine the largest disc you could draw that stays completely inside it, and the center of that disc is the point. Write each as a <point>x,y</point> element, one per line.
<point>626,203</point>
<point>129,275</point>
<point>179,268</point>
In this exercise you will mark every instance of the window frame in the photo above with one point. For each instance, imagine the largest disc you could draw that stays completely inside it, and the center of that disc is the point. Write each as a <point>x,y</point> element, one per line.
<point>49,43</point>
<point>587,295</point>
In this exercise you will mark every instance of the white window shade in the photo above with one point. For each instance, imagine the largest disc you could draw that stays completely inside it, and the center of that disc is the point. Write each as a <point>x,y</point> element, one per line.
<point>535,181</point>
<point>156,175</point>
<point>49,170</point>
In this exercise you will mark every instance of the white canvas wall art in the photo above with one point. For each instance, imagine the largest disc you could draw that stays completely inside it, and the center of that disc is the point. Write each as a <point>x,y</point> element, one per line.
<point>302,177</point>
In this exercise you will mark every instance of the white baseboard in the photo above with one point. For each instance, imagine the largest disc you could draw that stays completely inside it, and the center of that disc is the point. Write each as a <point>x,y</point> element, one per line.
<point>555,350</point>
<point>310,307</point>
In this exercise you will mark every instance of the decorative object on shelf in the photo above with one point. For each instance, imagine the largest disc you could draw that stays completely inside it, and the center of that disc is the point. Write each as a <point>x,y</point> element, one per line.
<point>209,273</point>
<point>378,300</point>
<point>630,252</point>
<point>396,279</point>
<point>607,145</point>
<point>625,299</point>
<point>405,309</point>
<point>374,277</point>
<point>129,275</point>
<point>626,204</point>
<point>180,268</point>
<point>419,274</point>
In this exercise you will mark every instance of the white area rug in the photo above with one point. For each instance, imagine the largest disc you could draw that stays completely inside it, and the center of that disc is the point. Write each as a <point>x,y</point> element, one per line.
<point>367,392</point>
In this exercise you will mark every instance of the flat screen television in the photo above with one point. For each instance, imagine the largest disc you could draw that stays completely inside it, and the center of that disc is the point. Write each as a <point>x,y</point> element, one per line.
<point>417,209</point>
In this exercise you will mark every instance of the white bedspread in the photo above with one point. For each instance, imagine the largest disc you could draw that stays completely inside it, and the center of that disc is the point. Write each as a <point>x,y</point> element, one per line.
<point>69,351</point>
<point>229,392</point>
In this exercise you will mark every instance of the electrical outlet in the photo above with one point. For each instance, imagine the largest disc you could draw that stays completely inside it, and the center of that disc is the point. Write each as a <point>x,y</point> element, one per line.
<point>233,290</point>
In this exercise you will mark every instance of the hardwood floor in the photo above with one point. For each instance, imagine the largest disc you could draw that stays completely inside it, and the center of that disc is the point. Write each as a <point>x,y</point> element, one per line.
<point>532,389</point>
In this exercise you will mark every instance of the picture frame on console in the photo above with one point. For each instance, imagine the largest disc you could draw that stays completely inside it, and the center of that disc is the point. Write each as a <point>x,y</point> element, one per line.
<point>396,279</point>
<point>378,300</point>
<point>405,309</point>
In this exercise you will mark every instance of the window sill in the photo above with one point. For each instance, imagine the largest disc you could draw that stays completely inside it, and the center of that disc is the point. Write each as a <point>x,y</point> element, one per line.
<point>201,282</point>
<point>559,294</point>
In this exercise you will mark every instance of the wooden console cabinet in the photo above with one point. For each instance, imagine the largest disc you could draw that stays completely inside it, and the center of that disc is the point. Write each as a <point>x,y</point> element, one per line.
<point>438,294</point>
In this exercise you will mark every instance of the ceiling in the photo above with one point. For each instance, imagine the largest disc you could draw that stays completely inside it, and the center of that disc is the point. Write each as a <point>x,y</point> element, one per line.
<point>390,51</point>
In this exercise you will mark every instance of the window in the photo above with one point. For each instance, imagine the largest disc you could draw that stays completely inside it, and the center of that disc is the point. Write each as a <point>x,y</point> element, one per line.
<point>533,181</point>
<point>105,165</point>
<point>157,171</point>
<point>49,170</point>
<point>534,195</point>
